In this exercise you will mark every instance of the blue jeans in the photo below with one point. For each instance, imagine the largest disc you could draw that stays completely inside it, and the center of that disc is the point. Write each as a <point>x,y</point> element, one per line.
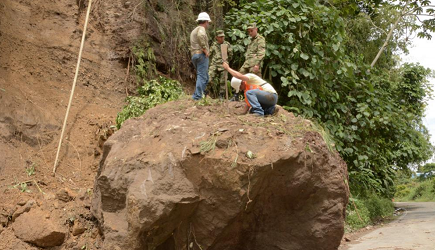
<point>200,61</point>
<point>262,102</point>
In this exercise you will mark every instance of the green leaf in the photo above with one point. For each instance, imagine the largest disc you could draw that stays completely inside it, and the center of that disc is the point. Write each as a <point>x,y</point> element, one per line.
<point>304,56</point>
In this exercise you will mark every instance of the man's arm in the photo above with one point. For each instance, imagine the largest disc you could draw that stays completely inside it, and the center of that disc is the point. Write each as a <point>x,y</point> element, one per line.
<point>203,41</point>
<point>235,73</point>
<point>213,51</point>
<point>261,52</point>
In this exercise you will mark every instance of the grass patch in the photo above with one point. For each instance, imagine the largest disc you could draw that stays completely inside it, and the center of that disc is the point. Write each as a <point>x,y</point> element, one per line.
<point>366,211</point>
<point>208,145</point>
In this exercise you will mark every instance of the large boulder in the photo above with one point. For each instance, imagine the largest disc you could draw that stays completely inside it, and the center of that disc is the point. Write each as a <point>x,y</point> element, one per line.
<point>187,176</point>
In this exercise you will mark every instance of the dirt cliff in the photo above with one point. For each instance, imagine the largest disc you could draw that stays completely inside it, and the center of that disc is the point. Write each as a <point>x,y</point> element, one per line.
<point>39,45</point>
<point>186,176</point>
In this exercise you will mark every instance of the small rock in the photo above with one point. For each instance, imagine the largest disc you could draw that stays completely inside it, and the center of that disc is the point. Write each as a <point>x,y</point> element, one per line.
<point>94,233</point>
<point>34,228</point>
<point>24,209</point>
<point>22,202</point>
<point>83,194</point>
<point>347,239</point>
<point>127,4</point>
<point>65,195</point>
<point>117,15</point>
<point>3,221</point>
<point>78,228</point>
<point>195,151</point>
<point>96,152</point>
<point>242,192</point>
<point>49,196</point>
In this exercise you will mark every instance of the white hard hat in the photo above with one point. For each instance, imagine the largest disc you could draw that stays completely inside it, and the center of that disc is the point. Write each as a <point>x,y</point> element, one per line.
<point>235,83</point>
<point>203,16</point>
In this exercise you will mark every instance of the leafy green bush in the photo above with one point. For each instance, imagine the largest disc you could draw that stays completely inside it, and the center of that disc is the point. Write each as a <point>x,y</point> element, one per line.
<point>153,92</point>
<point>356,217</point>
<point>416,190</point>
<point>144,61</point>
<point>379,207</point>
<point>402,191</point>
<point>368,210</point>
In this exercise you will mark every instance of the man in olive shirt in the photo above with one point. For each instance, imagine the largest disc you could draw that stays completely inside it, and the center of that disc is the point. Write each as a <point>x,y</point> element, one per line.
<point>255,52</point>
<point>200,51</point>
<point>216,71</point>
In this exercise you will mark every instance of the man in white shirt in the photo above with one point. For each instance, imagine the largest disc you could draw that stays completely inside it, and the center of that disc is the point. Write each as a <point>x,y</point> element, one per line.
<point>260,96</point>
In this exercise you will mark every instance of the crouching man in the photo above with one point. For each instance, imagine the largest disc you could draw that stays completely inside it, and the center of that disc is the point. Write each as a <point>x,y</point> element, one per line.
<point>260,96</point>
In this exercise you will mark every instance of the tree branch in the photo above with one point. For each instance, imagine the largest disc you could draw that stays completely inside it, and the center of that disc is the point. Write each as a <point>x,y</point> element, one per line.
<point>386,40</point>
<point>377,26</point>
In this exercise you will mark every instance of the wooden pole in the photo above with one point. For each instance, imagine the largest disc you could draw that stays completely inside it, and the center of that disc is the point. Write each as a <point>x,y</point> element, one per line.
<point>224,50</point>
<point>73,87</point>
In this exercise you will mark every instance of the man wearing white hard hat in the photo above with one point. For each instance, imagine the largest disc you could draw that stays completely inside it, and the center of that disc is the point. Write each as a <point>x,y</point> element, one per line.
<point>199,51</point>
<point>260,96</point>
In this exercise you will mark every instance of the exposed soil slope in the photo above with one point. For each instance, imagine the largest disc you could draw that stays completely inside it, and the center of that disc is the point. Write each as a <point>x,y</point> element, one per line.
<point>39,43</point>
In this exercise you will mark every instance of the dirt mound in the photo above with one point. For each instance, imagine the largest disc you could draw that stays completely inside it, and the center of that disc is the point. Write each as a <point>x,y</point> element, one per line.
<point>186,176</point>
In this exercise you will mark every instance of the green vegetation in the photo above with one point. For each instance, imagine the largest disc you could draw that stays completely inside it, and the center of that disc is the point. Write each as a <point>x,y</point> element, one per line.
<point>366,211</point>
<point>150,94</point>
<point>30,170</point>
<point>413,188</point>
<point>319,59</point>
<point>427,171</point>
<point>144,61</point>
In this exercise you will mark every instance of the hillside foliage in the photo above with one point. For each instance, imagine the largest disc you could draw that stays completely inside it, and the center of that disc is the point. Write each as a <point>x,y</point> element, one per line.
<point>318,58</point>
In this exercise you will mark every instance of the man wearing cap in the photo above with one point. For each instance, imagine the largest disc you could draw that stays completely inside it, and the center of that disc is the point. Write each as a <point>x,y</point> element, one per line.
<point>255,52</point>
<point>216,71</point>
<point>200,51</point>
<point>260,96</point>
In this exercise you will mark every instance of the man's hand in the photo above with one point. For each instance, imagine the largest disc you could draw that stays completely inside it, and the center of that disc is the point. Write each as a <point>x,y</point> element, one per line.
<point>255,69</point>
<point>225,65</point>
<point>206,52</point>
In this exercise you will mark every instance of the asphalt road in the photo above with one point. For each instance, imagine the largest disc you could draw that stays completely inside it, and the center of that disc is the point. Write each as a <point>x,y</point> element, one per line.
<point>414,230</point>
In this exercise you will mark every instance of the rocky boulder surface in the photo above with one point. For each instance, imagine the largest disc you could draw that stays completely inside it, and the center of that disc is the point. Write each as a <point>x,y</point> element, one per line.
<point>193,175</point>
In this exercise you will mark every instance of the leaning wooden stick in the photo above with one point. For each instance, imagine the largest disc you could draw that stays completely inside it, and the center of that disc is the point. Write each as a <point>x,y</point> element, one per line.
<point>73,86</point>
<point>224,50</point>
